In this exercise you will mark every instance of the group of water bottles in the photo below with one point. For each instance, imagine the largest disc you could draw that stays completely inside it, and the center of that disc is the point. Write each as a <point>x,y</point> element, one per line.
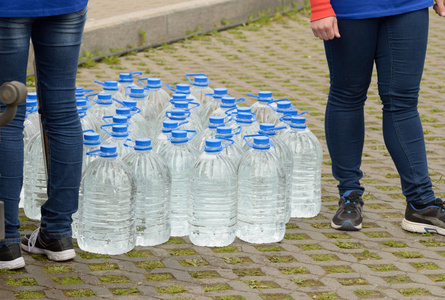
<point>194,163</point>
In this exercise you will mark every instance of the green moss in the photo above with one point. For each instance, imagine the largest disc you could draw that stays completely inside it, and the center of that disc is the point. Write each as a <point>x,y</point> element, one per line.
<point>352,281</point>
<point>271,248</point>
<point>58,269</point>
<point>347,245</point>
<point>114,279</point>
<point>414,292</point>
<point>292,271</point>
<point>106,266</point>
<point>276,297</point>
<point>24,281</point>
<point>338,269</point>
<point>182,252</point>
<point>257,284</point>
<point>432,243</point>
<point>309,247</point>
<point>193,262</point>
<point>150,264</point>
<point>159,276</point>
<point>324,257</point>
<point>296,236</point>
<point>234,260</point>
<point>281,259</point>
<point>216,287</point>
<point>204,274</point>
<point>88,255</point>
<point>425,266</point>
<point>30,295</point>
<point>304,282</point>
<point>383,268</point>
<point>367,293</point>
<point>408,254</point>
<point>174,241</point>
<point>324,296</point>
<point>125,292</point>
<point>226,249</point>
<point>67,280</point>
<point>171,289</point>
<point>377,234</point>
<point>248,272</point>
<point>394,244</point>
<point>78,293</point>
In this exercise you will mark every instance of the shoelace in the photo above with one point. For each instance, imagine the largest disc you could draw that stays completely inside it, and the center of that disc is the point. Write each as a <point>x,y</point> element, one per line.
<point>32,239</point>
<point>350,203</point>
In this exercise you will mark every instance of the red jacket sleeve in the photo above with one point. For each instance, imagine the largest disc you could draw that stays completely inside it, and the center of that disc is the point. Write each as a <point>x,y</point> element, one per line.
<point>321,9</point>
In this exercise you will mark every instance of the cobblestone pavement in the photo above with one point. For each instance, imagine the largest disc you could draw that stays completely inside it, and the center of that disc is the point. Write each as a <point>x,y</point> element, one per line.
<point>313,261</point>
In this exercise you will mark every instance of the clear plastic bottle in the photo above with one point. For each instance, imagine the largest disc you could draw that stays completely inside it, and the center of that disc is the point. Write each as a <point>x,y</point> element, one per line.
<point>306,176</point>
<point>182,88</point>
<point>260,108</point>
<point>233,151</point>
<point>212,105</point>
<point>81,93</point>
<point>107,205</point>
<point>180,155</point>
<point>280,108</point>
<point>181,116</point>
<point>136,131</point>
<point>162,139</point>
<point>170,105</point>
<point>200,139</point>
<point>248,124</point>
<point>148,110</point>
<point>117,136</point>
<point>105,106</point>
<point>227,106</point>
<point>261,200</point>
<point>148,128</point>
<point>200,88</point>
<point>284,155</point>
<point>183,105</point>
<point>126,80</point>
<point>153,194</point>
<point>109,87</point>
<point>285,120</point>
<point>212,199</point>
<point>157,95</point>
<point>35,184</point>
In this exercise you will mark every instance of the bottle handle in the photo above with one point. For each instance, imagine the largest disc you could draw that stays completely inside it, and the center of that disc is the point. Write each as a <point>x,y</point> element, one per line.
<point>275,101</point>
<point>128,140</point>
<point>253,135</point>
<point>188,138</point>
<point>194,75</point>
<point>168,114</point>
<point>146,85</point>
<point>135,74</point>
<point>252,95</point>
<point>106,130</point>
<point>99,82</point>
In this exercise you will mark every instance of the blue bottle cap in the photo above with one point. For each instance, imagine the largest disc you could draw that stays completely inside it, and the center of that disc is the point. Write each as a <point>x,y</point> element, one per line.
<point>216,120</point>
<point>91,136</point>
<point>120,130</point>
<point>136,92</point>
<point>120,119</point>
<point>244,109</point>
<point>123,111</point>
<point>224,130</point>
<point>178,97</point>
<point>219,92</point>
<point>267,126</point>
<point>110,85</point>
<point>181,104</point>
<point>154,82</point>
<point>130,103</point>
<point>179,134</point>
<point>170,124</point>
<point>201,80</point>
<point>183,88</point>
<point>142,144</point>
<point>108,150</point>
<point>79,102</point>
<point>31,96</point>
<point>228,100</point>
<point>298,120</point>
<point>283,105</point>
<point>103,97</point>
<point>261,142</point>
<point>265,94</point>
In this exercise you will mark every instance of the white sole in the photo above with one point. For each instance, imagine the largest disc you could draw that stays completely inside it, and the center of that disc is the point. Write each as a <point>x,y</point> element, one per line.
<point>54,256</point>
<point>12,264</point>
<point>421,228</point>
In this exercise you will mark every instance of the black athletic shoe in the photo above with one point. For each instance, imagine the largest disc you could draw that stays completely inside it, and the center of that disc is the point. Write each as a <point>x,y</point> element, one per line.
<point>11,257</point>
<point>428,219</point>
<point>349,213</point>
<point>56,249</point>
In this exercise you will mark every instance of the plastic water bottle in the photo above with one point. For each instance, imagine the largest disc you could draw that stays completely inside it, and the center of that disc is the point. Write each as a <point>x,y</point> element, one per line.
<point>138,120</point>
<point>35,184</point>
<point>162,139</point>
<point>139,127</point>
<point>91,142</point>
<point>234,151</point>
<point>81,93</point>
<point>228,104</point>
<point>153,194</point>
<point>212,200</point>
<point>249,126</point>
<point>32,122</point>
<point>200,88</point>
<point>105,106</point>
<point>306,176</point>
<point>110,87</point>
<point>182,105</point>
<point>136,132</point>
<point>260,108</point>
<point>157,95</point>
<point>170,104</point>
<point>281,107</point>
<point>148,110</point>
<point>107,205</point>
<point>126,80</point>
<point>261,199</point>
<point>285,120</point>
<point>284,155</point>
<point>182,88</point>
<point>181,116</point>
<point>213,104</point>
<point>200,139</point>
<point>180,155</point>
<point>117,136</point>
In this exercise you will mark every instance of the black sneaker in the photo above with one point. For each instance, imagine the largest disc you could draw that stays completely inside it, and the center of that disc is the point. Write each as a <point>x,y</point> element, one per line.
<point>428,219</point>
<point>349,214</point>
<point>11,257</point>
<point>56,249</point>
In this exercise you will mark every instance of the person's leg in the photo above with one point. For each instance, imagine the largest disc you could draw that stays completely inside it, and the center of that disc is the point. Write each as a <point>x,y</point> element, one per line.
<point>56,42</point>
<point>350,59</point>
<point>400,60</point>
<point>14,47</point>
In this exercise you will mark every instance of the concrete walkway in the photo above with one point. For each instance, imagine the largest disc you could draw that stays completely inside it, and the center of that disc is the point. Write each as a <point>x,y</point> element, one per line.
<point>313,261</point>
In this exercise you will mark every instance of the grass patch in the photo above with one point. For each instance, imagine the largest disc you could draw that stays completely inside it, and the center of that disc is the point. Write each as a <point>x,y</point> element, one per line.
<point>338,269</point>
<point>216,287</point>
<point>78,293</point>
<point>193,262</point>
<point>324,257</point>
<point>291,226</point>
<point>234,260</point>
<point>414,292</point>
<point>159,277</point>
<point>88,255</point>
<point>276,297</point>
<point>321,225</point>
<point>150,264</point>
<point>106,266</point>
<point>296,236</point>
<point>12,271</point>
<point>67,280</point>
<point>353,281</point>
<point>204,274</point>
<point>281,259</point>
<point>272,248</point>
<point>367,293</point>
<point>182,252</point>
<point>125,292</point>
<point>408,254</point>
<point>394,244</point>
<point>58,269</point>
<point>248,272</point>
<point>174,241</point>
<point>347,245</point>
<point>424,266</point>
<point>257,284</point>
<point>114,279</point>
<point>171,289</point>
<point>397,279</point>
<point>377,234</point>
<point>383,268</point>
<point>139,253</point>
<point>24,281</point>
<point>30,295</point>
<point>432,243</point>
<point>439,277</point>
<point>309,247</point>
<point>226,249</point>
<point>292,271</point>
<point>340,235</point>
<point>324,296</point>
<point>304,282</point>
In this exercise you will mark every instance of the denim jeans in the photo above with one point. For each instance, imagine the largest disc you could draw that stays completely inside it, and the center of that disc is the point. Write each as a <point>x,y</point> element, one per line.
<point>397,45</point>
<point>56,41</point>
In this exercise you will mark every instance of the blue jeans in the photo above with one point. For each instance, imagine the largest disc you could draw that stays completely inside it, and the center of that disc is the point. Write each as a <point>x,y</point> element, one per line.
<point>56,41</point>
<point>397,45</point>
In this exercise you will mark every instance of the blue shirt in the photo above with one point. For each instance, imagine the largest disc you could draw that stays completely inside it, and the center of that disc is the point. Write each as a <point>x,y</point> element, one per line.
<point>355,9</point>
<point>39,8</point>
